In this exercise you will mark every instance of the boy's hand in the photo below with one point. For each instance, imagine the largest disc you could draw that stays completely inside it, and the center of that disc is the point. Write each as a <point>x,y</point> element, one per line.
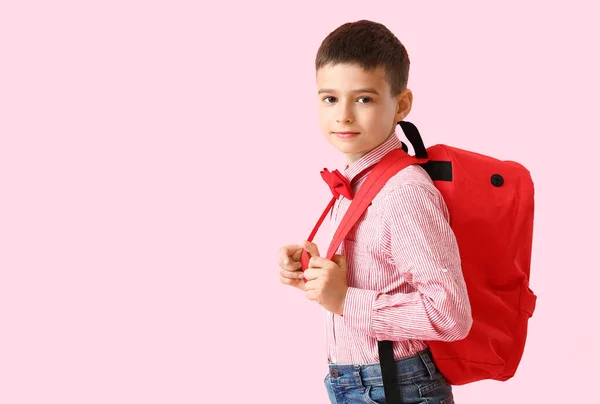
<point>291,270</point>
<point>327,280</point>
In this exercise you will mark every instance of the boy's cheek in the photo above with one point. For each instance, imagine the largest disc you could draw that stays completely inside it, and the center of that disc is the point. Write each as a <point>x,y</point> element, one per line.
<point>324,126</point>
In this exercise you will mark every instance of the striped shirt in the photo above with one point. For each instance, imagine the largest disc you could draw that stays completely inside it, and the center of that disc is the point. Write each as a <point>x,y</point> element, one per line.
<point>404,272</point>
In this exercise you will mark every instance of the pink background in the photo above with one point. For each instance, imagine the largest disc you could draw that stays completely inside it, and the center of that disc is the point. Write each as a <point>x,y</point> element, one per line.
<point>155,155</point>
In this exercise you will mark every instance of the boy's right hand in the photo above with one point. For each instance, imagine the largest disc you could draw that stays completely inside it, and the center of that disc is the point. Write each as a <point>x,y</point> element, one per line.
<point>291,269</point>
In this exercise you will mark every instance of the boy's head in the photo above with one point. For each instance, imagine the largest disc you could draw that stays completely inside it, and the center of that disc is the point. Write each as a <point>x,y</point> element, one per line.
<point>362,74</point>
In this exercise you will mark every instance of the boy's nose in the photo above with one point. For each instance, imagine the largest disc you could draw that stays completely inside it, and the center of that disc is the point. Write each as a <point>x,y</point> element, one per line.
<point>344,117</point>
<point>344,120</point>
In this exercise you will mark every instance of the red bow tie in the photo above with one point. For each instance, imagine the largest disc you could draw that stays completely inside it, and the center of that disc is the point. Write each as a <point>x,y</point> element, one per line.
<point>338,184</point>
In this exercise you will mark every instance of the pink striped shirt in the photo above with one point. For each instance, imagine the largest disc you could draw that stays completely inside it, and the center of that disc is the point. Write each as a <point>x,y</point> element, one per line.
<point>404,271</point>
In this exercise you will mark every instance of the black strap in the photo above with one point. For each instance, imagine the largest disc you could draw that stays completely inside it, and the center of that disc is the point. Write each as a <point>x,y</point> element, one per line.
<point>404,147</point>
<point>388,372</point>
<point>412,134</point>
<point>437,170</point>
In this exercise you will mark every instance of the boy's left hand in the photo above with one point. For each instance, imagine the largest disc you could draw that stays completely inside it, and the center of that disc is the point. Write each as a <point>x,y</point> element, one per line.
<point>327,282</point>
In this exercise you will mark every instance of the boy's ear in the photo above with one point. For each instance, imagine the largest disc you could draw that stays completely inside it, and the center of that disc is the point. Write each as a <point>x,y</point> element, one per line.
<point>404,102</point>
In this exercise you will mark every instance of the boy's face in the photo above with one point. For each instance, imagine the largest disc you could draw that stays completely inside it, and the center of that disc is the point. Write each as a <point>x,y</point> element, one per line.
<point>357,111</point>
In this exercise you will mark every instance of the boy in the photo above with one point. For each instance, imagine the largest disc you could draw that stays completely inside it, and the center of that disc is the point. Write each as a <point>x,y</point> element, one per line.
<point>397,275</point>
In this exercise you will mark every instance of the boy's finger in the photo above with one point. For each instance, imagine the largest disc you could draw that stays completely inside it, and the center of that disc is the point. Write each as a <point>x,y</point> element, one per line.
<point>340,260</point>
<point>313,273</point>
<point>286,253</point>
<point>311,248</point>
<point>311,285</point>
<point>312,292</point>
<point>290,274</point>
<point>286,281</point>
<point>317,262</point>
<point>290,266</point>
<point>291,282</point>
<point>297,253</point>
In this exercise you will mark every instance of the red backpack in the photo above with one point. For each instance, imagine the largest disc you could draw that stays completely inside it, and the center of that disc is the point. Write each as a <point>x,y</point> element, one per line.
<point>491,205</point>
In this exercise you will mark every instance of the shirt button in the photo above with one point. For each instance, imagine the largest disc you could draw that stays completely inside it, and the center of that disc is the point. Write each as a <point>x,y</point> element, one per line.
<point>334,373</point>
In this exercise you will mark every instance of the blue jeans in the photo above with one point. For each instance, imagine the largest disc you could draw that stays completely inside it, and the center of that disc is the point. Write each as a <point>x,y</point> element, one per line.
<point>419,382</point>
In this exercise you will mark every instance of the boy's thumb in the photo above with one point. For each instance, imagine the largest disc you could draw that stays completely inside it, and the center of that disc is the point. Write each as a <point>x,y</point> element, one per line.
<point>340,260</point>
<point>312,249</point>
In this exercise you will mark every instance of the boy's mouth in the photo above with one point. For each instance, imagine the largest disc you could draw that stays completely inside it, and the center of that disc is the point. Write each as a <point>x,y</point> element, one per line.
<point>346,134</point>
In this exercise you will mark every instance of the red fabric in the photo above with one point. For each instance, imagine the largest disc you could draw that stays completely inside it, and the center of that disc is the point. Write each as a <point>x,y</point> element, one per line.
<point>338,184</point>
<point>493,226</point>
<point>494,229</point>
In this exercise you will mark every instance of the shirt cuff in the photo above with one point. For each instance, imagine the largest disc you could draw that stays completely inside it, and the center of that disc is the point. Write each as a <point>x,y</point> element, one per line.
<point>358,309</point>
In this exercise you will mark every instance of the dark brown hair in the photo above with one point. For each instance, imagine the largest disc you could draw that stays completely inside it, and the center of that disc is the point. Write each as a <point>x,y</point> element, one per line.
<point>370,45</point>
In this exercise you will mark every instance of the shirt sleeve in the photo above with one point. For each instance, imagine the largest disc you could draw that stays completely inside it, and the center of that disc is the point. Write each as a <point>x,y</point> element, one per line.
<point>418,238</point>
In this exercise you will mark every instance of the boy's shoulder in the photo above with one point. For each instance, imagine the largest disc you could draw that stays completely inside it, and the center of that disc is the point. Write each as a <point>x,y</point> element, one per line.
<point>412,176</point>
<point>414,185</point>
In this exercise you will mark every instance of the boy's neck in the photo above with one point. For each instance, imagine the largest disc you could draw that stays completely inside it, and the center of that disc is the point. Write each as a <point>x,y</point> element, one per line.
<point>353,158</point>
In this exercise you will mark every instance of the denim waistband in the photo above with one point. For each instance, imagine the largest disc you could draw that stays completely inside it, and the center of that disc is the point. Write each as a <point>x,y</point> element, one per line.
<point>418,365</point>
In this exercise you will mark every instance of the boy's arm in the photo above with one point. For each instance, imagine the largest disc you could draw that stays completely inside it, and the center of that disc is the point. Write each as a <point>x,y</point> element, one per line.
<point>424,250</point>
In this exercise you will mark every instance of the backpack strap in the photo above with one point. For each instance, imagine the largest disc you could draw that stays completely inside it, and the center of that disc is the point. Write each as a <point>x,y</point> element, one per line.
<point>388,372</point>
<point>392,163</point>
<point>414,137</point>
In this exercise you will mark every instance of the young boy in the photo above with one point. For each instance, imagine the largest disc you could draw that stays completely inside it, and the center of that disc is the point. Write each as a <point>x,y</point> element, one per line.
<point>397,275</point>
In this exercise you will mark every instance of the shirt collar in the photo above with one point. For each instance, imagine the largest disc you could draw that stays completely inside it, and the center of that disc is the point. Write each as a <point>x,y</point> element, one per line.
<point>372,157</point>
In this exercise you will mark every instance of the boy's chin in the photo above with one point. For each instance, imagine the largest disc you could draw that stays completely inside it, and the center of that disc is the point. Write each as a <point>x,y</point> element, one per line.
<point>346,148</point>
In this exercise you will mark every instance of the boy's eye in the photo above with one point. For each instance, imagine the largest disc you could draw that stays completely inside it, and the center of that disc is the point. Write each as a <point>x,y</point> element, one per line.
<point>330,99</point>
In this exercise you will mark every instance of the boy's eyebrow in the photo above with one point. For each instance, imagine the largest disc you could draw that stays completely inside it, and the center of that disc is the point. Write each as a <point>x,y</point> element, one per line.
<point>360,90</point>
